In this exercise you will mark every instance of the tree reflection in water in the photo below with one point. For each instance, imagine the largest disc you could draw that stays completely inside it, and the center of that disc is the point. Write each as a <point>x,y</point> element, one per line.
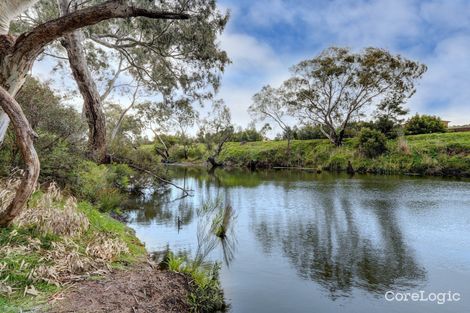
<point>211,212</point>
<point>330,248</point>
<point>158,206</point>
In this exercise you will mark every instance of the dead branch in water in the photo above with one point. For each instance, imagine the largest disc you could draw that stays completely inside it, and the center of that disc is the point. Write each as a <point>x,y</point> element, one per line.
<point>161,179</point>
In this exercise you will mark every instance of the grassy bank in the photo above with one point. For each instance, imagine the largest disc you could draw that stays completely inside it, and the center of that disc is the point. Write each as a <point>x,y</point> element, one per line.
<point>57,241</point>
<point>446,154</point>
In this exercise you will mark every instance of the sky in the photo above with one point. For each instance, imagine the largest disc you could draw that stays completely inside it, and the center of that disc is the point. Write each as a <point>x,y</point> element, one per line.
<point>264,38</point>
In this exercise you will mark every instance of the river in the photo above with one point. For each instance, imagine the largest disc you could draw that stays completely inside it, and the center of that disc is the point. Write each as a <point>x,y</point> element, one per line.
<point>307,242</point>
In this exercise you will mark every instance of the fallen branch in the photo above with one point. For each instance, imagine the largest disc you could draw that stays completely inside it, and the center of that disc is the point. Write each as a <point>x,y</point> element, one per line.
<point>161,179</point>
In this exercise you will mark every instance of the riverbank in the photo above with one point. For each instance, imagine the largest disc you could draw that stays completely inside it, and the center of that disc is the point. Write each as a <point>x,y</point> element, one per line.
<point>443,154</point>
<point>61,254</point>
<point>139,289</point>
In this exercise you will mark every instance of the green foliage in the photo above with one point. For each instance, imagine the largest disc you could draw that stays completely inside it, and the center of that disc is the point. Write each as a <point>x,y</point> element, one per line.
<point>103,185</point>
<point>174,263</point>
<point>424,124</point>
<point>61,140</point>
<point>247,135</point>
<point>388,79</point>
<point>109,199</point>
<point>387,126</point>
<point>207,296</point>
<point>372,142</point>
<point>306,132</point>
<point>446,154</point>
<point>206,292</point>
<point>216,129</point>
<point>197,151</point>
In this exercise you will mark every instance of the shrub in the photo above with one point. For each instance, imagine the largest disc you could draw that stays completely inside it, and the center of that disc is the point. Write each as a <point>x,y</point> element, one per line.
<point>109,199</point>
<point>403,147</point>
<point>424,124</point>
<point>177,153</point>
<point>206,292</point>
<point>103,184</point>
<point>55,240</point>
<point>197,152</point>
<point>386,126</point>
<point>372,143</point>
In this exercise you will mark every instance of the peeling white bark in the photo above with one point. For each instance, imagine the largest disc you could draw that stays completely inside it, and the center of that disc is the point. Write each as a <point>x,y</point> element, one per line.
<point>15,85</point>
<point>4,122</point>
<point>9,9</point>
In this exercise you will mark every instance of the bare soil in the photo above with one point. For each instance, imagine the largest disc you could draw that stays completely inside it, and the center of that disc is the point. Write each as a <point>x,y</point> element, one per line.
<point>142,289</point>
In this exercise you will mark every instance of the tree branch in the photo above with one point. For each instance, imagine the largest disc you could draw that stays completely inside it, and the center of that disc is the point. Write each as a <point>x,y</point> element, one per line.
<point>29,45</point>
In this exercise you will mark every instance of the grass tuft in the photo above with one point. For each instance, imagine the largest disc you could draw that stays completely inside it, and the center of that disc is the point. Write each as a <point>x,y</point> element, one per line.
<point>56,241</point>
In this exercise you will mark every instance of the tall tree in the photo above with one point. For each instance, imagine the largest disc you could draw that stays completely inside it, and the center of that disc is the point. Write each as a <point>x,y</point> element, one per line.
<point>168,117</point>
<point>168,58</point>
<point>272,104</point>
<point>93,108</point>
<point>215,130</point>
<point>339,85</point>
<point>183,118</point>
<point>16,58</point>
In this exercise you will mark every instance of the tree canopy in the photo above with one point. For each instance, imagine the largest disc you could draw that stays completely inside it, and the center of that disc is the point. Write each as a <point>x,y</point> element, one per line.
<point>340,85</point>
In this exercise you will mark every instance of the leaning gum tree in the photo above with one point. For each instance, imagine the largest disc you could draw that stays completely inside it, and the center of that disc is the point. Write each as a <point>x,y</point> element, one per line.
<point>17,56</point>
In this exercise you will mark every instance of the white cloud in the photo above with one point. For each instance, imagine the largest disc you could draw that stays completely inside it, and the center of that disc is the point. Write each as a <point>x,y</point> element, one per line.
<point>267,12</point>
<point>365,23</point>
<point>446,81</point>
<point>255,64</point>
<point>433,32</point>
<point>248,53</point>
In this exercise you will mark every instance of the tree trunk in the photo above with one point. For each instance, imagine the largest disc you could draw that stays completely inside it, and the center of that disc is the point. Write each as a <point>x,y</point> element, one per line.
<point>212,159</point>
<point>16,59</point>
<point>339,138</point>
<point>4,121</point>
<point>288,150</point>
<point>24,136</point>
<point>214,164</point>
<point>73,43</point>
<point>123,113</point>
<point>11,78</point>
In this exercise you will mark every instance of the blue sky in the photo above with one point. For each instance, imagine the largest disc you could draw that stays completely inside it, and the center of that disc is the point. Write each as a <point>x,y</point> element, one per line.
<point>265,37</point>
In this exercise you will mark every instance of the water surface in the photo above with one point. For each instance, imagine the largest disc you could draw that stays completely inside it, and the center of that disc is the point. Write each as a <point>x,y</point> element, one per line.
<point>306,242</point>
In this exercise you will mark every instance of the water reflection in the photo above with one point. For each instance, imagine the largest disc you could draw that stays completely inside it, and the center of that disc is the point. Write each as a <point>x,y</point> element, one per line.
<point>160,206</point>
<point>330,242</point>
<point>330,246</point>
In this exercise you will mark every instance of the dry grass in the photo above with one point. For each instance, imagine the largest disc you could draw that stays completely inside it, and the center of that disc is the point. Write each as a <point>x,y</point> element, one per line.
<point>7,191</point>
<point>403,147</point>
<point>54,214</point>
<point>51,241</point>
<point>105,248</point>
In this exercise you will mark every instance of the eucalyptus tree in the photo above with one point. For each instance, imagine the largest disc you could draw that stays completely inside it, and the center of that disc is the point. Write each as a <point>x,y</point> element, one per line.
<point>183,118</point>
<point>215,130</point>
<point>163,118</point>
<point>17,55</point>
<point>273,104</point>
<point>339,85</point>
<point>169,58</point>
<point>123,112</point>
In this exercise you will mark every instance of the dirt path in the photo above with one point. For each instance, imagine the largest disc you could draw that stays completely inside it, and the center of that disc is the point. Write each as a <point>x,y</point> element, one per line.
<point>138,290</point>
